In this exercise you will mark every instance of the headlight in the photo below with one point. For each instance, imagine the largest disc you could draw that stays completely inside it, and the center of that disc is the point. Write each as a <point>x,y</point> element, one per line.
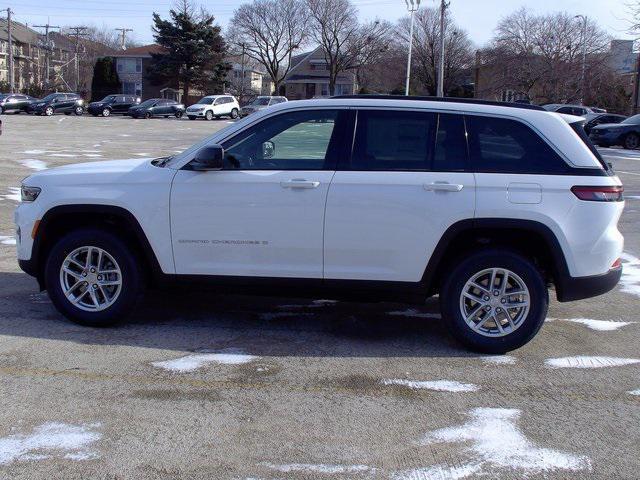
<point>29,194</point>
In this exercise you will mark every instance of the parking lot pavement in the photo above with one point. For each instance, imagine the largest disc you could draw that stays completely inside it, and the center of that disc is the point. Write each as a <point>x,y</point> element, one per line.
<point>201,385</point>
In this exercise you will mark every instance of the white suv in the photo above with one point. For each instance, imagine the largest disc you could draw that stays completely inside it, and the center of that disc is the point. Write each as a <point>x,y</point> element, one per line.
<point>214,106</point>
<point>369,198</point>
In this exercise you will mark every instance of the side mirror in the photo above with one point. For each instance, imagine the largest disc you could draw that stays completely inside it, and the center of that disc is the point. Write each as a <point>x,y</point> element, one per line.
<point>208,158</point>
<point>268,150</point>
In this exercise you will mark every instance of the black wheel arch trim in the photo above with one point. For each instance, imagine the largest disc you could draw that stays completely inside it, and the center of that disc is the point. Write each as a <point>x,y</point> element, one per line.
<point>35,266</point>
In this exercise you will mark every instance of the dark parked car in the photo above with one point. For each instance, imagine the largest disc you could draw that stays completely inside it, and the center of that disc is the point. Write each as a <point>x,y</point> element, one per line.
<point>594,119</point>
<point>66,103</point>
<point>625,133</point>
<point>113,104</point>
<point>157,107</point>
<point>15,102</point>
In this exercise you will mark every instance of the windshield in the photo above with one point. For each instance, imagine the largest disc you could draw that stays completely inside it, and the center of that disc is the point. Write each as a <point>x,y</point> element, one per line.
<point>205,101</point>
<point>50,97</point>
<point>633,120</point>
<point>261,101</point>
<point>108,98</point>
<point>148,103</point>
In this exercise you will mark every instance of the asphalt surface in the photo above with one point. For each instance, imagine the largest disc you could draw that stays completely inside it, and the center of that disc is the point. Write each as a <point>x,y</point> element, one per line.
<point>282,388</point>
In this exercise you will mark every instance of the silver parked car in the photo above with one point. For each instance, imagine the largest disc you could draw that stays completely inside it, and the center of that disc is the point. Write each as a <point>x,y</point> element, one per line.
<point>259,103</point>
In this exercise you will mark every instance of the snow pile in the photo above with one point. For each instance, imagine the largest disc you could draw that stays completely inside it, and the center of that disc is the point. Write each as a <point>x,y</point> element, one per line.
<point>437,385</point>
<point>194,361</point>
<point>589,362</point>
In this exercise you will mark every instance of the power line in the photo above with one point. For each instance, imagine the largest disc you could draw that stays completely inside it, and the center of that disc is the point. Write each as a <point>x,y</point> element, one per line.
<point>123,36</point>
<point>47,48</point>
<point>78,32</point>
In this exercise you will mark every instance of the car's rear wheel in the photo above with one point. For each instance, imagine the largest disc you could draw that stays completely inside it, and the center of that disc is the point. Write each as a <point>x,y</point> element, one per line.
<point>106,112</point>
<point>631,141</point>
<point>178,114</point>
<point>48,111</point>
<point>494,301</point>
<point>234,113</point>
<point>208,115</point>
<point>92,277</point>
<point>147,115</point>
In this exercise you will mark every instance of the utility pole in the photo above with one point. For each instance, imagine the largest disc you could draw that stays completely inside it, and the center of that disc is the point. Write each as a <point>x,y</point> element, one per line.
<point>48,48</point>
<point>78,32</point>
<point>10,55</point>
<point>412,7</point>
<point>123,36</point>
<point>583,83</point>
<point>443,12</point>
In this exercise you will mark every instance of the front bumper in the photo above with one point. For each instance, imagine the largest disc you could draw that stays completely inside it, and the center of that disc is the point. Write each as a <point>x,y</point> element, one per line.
<point>195,113</point>
<point>570,289</point>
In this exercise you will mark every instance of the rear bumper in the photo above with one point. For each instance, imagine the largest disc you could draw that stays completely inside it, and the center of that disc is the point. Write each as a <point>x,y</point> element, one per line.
<point>578,288</point>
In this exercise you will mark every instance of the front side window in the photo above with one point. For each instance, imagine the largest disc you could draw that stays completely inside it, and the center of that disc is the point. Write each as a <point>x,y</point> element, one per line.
<point>305,140</point>
<point>501,145</point>
<point>393,140</point>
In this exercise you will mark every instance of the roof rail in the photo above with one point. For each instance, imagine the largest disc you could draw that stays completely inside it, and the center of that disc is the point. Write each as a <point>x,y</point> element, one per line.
<point>474,101</point>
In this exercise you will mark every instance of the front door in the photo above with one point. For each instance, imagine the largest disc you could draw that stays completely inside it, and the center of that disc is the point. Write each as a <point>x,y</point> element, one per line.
<point>390,205</point>
<point>263,214</point>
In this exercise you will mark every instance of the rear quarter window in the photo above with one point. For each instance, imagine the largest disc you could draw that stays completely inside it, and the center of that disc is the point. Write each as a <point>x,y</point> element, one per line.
<point>500,145</point>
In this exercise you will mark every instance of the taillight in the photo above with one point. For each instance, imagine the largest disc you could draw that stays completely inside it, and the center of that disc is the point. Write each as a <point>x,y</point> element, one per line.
<point>617,263</point>
<point>599,194</point>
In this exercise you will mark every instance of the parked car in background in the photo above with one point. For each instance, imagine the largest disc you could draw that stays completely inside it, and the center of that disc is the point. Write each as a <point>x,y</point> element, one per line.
<point>214,106</point>
<point>15,102</point>
<point>66,103</point>
<point>594,119</point>
<point>625,133</point>
<point>260,103</point>
<point>578,110</point>
<point>113,104</point>
<point>157,107</point>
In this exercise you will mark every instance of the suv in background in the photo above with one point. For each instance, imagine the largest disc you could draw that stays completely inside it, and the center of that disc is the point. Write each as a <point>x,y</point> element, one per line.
<point>260,103</point>
<point>66,103</point>
<point>113,104</point>
<point>15,102</point>
<point>214,106</point>
<point>157,107</point>
<point>577,110</point>
<point>373,198</point>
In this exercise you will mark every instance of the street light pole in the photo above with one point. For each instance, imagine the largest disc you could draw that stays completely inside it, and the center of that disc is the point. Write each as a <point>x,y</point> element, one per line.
<point>443,11</point>
<point>412,6</point>
<point>583,81</point>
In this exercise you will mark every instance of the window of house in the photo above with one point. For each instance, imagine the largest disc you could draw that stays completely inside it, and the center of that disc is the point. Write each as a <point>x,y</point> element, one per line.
<point>393,140</point>
<point>509,146</point>
<point>129,65</point>
<point>291,141</point>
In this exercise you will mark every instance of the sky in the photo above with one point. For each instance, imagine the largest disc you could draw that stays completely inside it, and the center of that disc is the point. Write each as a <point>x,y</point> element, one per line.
<point>478,17</point>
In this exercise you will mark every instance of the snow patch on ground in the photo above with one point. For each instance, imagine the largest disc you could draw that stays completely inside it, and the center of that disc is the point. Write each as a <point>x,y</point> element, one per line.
<point>4,240</point>
<point>34,152</point>
<point>499,359</point>
<point>141,154</point>
<point>14,194</point>
<point>413,313</point>
<point>492,441</point>
<point>635,392</point>
<point>630,274</point>
<point>62,155</point>
<point>195,361</point>
<point>33,164</point>
<point>589,362</point>
<point>325,469</point>
<point>69,441</point>
<point>91,155</point>
<point>437,385</point>
<point>599,325</point>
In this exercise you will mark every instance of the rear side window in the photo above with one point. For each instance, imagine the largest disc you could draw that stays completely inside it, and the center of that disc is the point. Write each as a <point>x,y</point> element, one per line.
<point>501,145</point>
<point>451,144</point>
<point>393,140</point>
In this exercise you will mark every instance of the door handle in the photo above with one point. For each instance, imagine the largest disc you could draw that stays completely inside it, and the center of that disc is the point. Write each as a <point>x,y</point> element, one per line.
<point>299,183</point>
<point>443,187</point>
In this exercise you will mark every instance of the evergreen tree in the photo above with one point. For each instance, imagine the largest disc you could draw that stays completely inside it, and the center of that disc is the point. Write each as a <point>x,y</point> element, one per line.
<point>105,79</point>
<point>194,49</point>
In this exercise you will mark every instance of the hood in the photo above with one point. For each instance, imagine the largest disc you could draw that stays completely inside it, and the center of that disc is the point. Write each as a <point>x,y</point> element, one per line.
<point>603,126</point>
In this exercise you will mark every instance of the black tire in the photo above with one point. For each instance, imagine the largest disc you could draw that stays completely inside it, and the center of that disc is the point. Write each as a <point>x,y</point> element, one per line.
<point>126,259</point>
<point>178,114</point>
<point>106,112</point>
<point>631,141</point>
<point>1,110</point>
<point>147,115</point>
<point>49,111</point>
<point>78,111</point>
<point>208,115</point>
<point>234,113</point>
<point>468,267</point>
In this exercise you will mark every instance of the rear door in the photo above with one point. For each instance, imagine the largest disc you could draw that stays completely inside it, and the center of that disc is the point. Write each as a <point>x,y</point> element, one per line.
<point>120,105</point>
<point>405,184</point>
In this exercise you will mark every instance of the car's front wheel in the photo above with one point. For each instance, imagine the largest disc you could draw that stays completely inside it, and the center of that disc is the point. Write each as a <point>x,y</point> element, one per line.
<point>631,141</point>
<point>208,115</point>
<point>48,111</point>
<point>78,111</point>
<point>92,277</point>
<point>494,301</point>
<point>106,112</point>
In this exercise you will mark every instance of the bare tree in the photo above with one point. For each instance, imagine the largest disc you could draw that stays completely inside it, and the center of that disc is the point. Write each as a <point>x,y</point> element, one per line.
<point>370,47</point>
<point>270,31</point>
<point>334,26</point>
<point>541,55</point>
<point>426,43</point>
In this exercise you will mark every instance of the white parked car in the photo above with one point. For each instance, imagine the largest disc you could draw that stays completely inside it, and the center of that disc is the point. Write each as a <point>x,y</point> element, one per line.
<point>214,106</point>
<point>372,198</point>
